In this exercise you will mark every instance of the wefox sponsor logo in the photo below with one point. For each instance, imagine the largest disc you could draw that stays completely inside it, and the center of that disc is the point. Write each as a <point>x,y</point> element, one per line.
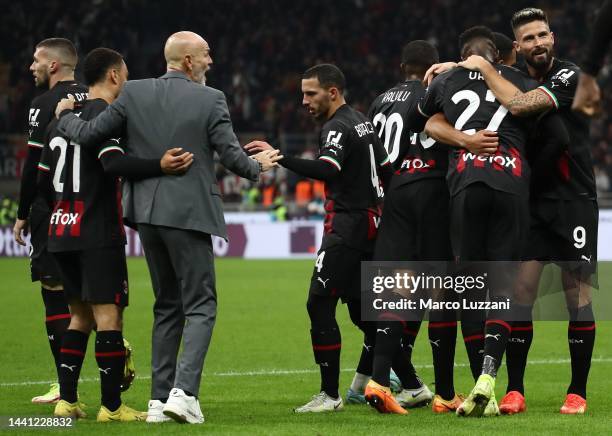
<point>66,214</point>
<point>411,165</point>
<point>498,161</point>
<point>67,218</point>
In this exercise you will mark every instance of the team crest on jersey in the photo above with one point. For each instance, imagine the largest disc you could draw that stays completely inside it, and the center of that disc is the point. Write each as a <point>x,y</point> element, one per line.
<point>563,76</point>
<point>33,116</point>
<point>333,137</point>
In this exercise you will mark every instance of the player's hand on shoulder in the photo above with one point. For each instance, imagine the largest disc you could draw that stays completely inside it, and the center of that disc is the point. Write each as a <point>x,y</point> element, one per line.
<point>474,63</point>
<point>268,159</point>
<point>483,142</point>
<point>175,161</point>
<point>437,69</point>
<point>64,104</point>
<point>20,230</point>
<point>257,146</point>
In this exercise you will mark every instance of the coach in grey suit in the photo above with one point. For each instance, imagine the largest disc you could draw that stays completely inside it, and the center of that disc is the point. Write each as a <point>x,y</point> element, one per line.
<point>175,215</point>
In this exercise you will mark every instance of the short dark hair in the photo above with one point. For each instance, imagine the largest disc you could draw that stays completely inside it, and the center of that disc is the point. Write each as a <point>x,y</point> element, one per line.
<point>476,32</point>
<point>527,15</point>
<point>503,43</point>
<point>328,75</point>
<point>418,56</point>
<point>98,62</point>
<point>63,47</point>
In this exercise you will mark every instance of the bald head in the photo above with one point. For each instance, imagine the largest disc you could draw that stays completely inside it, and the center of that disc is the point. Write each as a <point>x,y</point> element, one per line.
<point>188,52</point>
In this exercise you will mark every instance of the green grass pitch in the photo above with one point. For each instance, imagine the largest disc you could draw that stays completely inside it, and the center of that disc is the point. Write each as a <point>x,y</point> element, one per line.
<point>260,363</point>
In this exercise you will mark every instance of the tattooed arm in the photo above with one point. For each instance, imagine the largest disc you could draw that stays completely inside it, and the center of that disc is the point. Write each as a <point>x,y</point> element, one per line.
<point>517,102</point>
<point>528,103</point>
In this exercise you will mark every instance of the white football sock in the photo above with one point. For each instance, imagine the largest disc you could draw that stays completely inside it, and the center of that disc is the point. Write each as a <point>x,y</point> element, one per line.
<point>359,382</point>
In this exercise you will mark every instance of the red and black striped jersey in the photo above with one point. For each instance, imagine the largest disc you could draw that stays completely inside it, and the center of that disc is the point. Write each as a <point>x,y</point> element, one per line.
<point>40,115</point>
<point>468,104</point>
<point>574,178</point>
<point>87,202</point>
<point>352,198</point>
<point>412,153</point>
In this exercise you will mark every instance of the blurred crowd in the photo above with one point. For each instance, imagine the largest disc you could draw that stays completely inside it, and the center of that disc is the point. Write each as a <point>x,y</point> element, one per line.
<point>8,210</point>
<point>260,49</point>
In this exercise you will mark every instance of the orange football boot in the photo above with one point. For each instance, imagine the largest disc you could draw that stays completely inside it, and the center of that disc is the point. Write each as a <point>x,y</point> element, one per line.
<point>381,398</point>
<point>513,402</point>
<point>574,405</point>
<point>440,405</point>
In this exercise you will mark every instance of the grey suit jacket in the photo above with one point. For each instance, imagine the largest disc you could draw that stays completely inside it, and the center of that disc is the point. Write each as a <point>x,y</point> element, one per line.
<point>153,115</point>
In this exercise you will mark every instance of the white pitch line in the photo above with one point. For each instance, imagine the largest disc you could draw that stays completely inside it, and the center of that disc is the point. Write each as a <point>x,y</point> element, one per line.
<point>295,372</point>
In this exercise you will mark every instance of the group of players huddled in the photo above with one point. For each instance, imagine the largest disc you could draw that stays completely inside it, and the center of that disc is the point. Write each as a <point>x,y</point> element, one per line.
<point>486,163</point>
<point>471,166</point>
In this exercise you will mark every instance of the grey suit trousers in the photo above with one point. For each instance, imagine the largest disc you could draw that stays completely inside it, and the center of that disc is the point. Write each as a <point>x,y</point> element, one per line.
<point>181,265</point>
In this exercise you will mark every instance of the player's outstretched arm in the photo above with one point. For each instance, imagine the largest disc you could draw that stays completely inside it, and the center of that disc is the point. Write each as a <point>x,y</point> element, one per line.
<point>483,142</point>
<point>517,102</point>
<point>319,169</point>
<point>315,169</point>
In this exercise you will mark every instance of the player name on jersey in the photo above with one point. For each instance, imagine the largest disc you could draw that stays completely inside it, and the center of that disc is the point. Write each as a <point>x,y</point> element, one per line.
<point>395,96</point>
<point>412,153</point>
<point>352,200</point>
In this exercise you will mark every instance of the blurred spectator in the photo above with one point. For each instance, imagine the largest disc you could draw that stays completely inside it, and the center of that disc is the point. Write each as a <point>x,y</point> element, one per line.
<point>602,181</point>
<point>8,211</point>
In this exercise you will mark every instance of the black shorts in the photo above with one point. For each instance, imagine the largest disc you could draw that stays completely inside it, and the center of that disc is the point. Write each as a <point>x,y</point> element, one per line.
<point>337,270</point>
<point>487,224</point>
<point>563,231</point>
<point>415,223</point>
<point>97,276</point>
<point>43,266</point>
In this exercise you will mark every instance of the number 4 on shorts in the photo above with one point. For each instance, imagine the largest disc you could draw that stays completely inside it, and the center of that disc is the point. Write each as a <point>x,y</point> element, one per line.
<point>319,262</point>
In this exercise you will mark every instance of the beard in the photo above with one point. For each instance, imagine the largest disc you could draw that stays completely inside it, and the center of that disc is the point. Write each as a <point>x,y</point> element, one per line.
<point>41,80</point>
<point>541,62</point>
<point>200,77</point>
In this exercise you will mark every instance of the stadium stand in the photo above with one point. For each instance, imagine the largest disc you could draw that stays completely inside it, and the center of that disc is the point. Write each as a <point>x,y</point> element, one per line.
<point>259,51</point>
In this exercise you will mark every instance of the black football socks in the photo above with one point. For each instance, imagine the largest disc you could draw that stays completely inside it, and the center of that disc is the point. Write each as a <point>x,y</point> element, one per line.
<point>443,338</point>
<point>581,340</point>
<point>518,347</point>
<point>473,337</point>
<point>110,356</point>
<point>57,320</point>
<point>72,353</point>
